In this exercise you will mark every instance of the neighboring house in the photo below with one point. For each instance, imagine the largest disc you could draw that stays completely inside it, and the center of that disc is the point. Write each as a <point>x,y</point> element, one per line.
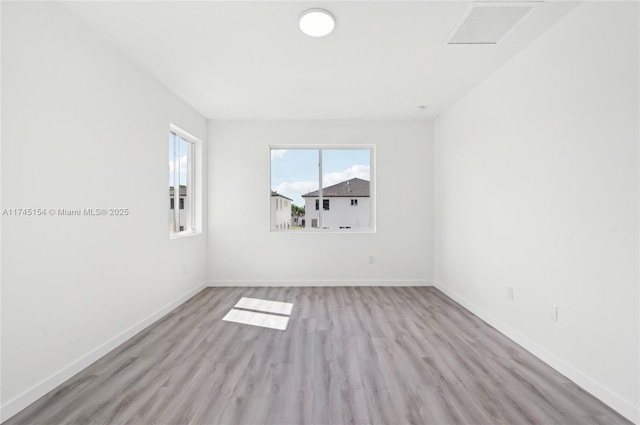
<point>182,212</point>
<point>346,205</point>
<point>280,211</point>
<point>297,219</point>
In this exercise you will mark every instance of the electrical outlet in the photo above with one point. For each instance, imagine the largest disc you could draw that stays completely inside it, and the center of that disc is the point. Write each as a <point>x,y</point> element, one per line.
<point>553,312</point>
<point>510,292</point>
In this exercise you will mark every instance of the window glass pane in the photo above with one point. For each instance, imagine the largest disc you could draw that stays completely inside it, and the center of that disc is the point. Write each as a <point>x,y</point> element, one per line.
<point>346,179</point>
<point>172,174</point>
<point>180,184</point>
<point>294,173</point>
<point>183,153</point>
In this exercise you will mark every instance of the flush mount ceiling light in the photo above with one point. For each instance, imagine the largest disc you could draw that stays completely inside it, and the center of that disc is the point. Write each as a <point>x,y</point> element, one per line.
<point>317,22</point>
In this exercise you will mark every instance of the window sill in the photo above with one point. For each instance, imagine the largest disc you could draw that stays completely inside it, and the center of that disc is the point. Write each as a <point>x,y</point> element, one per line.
<point>307,231</point>
<point>184,235</point>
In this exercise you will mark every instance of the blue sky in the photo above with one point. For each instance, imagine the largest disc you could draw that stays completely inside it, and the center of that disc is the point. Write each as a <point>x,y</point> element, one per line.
<point>294,172</point>
<point>182,154</point>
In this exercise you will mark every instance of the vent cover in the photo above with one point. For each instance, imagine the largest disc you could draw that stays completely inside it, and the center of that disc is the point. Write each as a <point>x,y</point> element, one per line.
<point>490,22</point>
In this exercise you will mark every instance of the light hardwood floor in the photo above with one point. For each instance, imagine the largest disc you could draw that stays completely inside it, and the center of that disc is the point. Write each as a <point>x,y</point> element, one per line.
<point>350,355</point>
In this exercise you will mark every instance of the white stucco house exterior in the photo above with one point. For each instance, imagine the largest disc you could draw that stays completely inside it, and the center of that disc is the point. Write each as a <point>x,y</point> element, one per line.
<point>280,211</point>
<point>184,209</point>
<point>297,219</point>
<point>346,205</point>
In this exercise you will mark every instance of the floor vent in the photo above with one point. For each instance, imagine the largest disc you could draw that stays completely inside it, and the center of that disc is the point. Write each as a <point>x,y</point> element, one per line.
<point>490,22</point>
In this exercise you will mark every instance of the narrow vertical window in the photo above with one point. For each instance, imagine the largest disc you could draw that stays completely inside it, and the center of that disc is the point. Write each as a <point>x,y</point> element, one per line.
<point>182,220</point>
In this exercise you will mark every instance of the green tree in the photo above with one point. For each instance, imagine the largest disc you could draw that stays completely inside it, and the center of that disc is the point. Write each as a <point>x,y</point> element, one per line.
<point>296,210</point>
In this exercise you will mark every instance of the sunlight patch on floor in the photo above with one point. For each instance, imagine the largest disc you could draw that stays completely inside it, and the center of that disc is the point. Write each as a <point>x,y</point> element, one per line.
<point>265,306</point>
<point>264,313</point>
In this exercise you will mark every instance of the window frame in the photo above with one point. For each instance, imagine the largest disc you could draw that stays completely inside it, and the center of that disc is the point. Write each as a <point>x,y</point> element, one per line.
<point>372,187</point>
<point>325,204</point>
<point>193,225</point>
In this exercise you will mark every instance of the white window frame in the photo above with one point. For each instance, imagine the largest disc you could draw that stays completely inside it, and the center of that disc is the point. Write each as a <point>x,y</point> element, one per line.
<point>193,225</point>
<point>372,187</point>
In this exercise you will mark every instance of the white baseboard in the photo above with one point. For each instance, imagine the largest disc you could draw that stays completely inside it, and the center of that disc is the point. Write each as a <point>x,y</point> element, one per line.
<point>298,283</point>
<point>622,406</point>
<point>18,403</point>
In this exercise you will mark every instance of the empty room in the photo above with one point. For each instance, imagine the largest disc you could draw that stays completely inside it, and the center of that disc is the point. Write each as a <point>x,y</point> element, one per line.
<point>378,212</point>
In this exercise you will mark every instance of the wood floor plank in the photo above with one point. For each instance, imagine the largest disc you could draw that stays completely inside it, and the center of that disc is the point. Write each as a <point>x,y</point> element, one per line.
<point>350,355</point>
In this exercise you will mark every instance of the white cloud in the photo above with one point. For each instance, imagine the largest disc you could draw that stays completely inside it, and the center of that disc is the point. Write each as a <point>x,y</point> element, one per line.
<point>296,189</point>
<point>277,153</point>
<point>183,169</point>
<point>356,171</point>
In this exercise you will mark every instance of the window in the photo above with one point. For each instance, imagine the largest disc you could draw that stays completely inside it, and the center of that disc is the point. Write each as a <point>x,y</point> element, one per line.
<point>172,203</point>
<point>183,149</point>
<point>337,178</point>
<point>325,204</point>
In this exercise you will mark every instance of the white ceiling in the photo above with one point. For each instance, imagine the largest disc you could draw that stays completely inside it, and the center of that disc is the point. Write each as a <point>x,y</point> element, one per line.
<point>249,60</point>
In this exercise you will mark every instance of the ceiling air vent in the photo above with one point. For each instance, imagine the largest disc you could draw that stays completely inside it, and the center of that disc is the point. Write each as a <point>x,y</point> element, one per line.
<point>490,22</point>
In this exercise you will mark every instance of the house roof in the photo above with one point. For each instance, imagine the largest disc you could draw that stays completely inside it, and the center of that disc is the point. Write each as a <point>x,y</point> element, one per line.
<point>278,194</point>
<point>347,189</point>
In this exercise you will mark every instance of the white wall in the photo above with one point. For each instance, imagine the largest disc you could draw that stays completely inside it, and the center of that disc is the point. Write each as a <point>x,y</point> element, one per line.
<point>242,250</point>
<point>82,127</point>
<point>536,186</point>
